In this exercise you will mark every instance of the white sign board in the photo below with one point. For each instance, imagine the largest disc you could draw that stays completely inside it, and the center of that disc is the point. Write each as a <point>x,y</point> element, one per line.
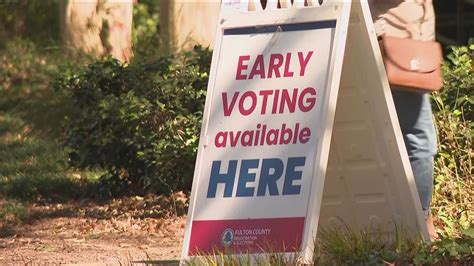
<point>264,128</point>
<point>267,127</point>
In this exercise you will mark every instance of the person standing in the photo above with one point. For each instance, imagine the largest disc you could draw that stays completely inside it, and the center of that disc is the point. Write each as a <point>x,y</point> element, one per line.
<point>412,19</point>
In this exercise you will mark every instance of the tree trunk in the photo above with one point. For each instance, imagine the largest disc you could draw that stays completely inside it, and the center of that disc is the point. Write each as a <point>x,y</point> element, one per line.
<point>185,23</point>
<point>97,27</point>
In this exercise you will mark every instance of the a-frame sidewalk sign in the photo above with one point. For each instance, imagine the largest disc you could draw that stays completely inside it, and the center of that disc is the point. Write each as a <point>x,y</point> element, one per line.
<point>299,131</point>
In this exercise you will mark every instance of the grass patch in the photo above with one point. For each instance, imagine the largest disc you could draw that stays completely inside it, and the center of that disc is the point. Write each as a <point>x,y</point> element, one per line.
<point>33,168</point>
<point>33,163</point>
<point>12,212</point>
<point>225,258</point>
<point>345,246</point>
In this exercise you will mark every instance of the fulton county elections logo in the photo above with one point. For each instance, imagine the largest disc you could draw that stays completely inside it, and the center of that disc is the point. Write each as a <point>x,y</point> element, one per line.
<point>227,237</point>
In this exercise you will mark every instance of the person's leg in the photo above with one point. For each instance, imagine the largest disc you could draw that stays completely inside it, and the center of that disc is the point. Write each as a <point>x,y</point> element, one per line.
<point>416,122</point>
<point>423,169</point>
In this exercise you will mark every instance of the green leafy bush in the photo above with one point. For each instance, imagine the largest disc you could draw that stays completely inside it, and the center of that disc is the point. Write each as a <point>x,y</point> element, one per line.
<point>453,111</point>
<point>145,32</point>
<point>139,122</point>
<point>449,251</point>
<point>458,91</point>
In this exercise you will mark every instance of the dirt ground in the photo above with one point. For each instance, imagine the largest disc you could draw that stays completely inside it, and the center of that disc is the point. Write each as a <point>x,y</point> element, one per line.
<point>117,232</point>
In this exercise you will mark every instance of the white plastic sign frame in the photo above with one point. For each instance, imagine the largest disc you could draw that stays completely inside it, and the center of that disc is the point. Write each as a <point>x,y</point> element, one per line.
<point>256,191</point>
<point>369,182</point>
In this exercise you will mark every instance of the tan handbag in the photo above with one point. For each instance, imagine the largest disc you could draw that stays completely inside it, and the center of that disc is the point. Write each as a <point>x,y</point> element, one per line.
<point>409,63</point>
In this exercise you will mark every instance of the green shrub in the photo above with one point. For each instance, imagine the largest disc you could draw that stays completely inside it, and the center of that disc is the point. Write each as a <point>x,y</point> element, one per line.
<point>453,111</point>
<point>458,249</point>
<point>458,91</point>
<point>145,32</point>
<point>140,122</point>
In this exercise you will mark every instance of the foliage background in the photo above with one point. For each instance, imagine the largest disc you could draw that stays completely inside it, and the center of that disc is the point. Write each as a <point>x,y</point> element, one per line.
<point>453,110</point>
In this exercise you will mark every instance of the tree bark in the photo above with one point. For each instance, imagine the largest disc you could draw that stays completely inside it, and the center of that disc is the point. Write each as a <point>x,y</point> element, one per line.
<point>185,23</point>
<point>97,27</point>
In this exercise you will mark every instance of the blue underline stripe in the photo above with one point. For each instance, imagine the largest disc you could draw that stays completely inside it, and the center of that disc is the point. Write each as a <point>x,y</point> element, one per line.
<point>284,27</point>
